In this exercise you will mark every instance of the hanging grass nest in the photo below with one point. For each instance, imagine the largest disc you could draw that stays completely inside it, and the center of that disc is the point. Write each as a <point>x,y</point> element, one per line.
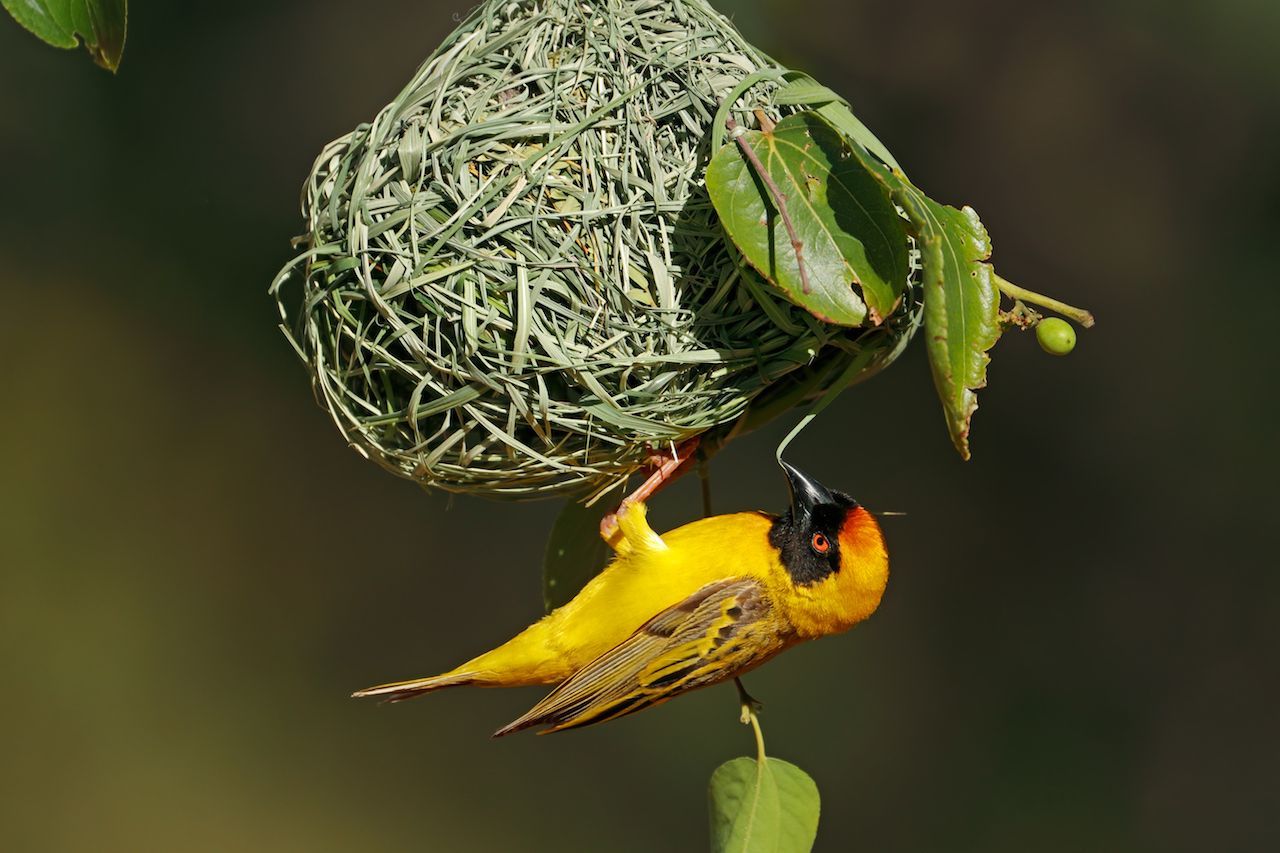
<point>514,283</point>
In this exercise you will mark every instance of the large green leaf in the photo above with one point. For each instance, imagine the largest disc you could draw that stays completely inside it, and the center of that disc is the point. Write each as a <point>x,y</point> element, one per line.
<point>849,231</point>
<point>575,552</point>
<point>100,23</point>
<point>763,806</point>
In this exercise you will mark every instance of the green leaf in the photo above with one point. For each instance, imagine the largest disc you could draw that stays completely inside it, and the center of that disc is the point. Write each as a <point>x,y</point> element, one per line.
<point>37,17</point>
<point>839,114</point>
<point>850,232</point>
<point>961,310</point>
<point>768,806</point>
<point>575,552</point>
<point>803,89</point>
<point>100,23</point>
<point>961,300</point>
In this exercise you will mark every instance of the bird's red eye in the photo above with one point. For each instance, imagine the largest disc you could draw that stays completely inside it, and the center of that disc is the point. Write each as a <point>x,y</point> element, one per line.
<point>820,543</point>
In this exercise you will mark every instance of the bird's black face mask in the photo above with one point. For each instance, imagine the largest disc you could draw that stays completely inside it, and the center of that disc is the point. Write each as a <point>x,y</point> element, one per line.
<point>808,536</point>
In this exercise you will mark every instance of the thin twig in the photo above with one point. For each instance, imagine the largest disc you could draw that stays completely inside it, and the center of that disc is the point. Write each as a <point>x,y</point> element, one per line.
<point>779,200</point>
<point>1008,288</point>
<point>704,480</point>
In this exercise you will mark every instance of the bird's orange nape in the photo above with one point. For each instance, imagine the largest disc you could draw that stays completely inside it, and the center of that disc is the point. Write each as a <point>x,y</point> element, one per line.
<point>860,533</point>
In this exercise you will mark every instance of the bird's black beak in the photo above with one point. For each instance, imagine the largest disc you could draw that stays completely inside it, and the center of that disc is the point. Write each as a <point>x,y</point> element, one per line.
<point>806,492</point>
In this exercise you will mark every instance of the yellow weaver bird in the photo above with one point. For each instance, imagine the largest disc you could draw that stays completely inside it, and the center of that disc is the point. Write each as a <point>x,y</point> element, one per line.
<point>702,604</point>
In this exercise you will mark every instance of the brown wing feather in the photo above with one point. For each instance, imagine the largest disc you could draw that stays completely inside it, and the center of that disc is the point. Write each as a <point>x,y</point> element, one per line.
<point>720,631</point>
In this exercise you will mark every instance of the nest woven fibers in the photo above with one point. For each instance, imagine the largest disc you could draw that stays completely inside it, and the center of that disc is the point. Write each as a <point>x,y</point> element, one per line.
<point>514,283</point>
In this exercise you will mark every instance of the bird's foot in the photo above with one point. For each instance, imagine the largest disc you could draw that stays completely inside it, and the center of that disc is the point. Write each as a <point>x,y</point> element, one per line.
<point>750,704</point>
<point>666,466</point>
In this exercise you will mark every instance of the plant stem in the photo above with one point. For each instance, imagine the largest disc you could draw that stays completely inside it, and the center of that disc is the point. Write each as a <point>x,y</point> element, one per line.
<point>1008,288</point>
<point>779,200</point>
<point>755,724</point>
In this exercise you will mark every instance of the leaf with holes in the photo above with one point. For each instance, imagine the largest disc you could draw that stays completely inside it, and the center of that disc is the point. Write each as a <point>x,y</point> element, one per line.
<point>961,310</point>
<point>852,241</point>
<point>765,805</point>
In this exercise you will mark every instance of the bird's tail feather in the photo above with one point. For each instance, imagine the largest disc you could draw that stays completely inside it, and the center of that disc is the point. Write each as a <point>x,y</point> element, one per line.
<point>399,691</point>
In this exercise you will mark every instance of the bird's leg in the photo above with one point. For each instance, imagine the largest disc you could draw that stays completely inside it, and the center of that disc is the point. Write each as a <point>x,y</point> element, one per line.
<point>748,717</point>
<point>633,531</point>
<point>667,467</point>
<point>750,704</point>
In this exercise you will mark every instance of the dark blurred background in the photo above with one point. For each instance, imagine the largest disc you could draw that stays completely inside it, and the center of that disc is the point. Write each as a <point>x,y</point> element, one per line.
<point>1078,646</point>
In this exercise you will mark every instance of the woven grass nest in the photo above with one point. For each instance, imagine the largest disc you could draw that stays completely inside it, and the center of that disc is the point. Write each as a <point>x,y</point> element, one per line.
<point>513,282</point>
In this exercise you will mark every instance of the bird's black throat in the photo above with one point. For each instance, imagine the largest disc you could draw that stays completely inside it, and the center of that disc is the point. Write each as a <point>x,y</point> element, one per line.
<point>793,537</point>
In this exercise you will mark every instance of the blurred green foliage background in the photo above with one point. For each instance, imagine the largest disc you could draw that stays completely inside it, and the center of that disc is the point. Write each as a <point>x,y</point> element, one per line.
<point>1078,646</point>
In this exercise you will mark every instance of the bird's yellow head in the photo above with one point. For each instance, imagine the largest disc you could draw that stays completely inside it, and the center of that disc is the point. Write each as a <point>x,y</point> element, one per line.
<point>833,551</point>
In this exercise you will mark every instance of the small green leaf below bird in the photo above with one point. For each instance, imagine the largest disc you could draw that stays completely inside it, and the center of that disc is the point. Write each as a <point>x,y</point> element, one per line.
<point>763,804</point>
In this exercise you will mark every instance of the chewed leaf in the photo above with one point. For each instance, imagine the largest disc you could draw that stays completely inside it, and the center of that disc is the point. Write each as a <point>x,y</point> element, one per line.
<point>100,23</point>
<point>849,231</point>
<point>768,805</point>
<point>961,311</point>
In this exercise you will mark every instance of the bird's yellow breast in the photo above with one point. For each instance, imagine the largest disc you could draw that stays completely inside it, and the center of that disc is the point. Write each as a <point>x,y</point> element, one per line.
<point>640,584</point>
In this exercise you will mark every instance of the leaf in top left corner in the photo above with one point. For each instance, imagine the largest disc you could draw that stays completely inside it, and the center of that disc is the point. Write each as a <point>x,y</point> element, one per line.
<point>100,24</point>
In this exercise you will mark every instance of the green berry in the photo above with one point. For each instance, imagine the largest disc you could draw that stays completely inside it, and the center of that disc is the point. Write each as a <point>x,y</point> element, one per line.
<point>1056,336</point>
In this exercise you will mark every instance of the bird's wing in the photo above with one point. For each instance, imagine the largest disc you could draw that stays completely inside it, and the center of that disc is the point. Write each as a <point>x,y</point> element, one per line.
<point>720,631</point>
